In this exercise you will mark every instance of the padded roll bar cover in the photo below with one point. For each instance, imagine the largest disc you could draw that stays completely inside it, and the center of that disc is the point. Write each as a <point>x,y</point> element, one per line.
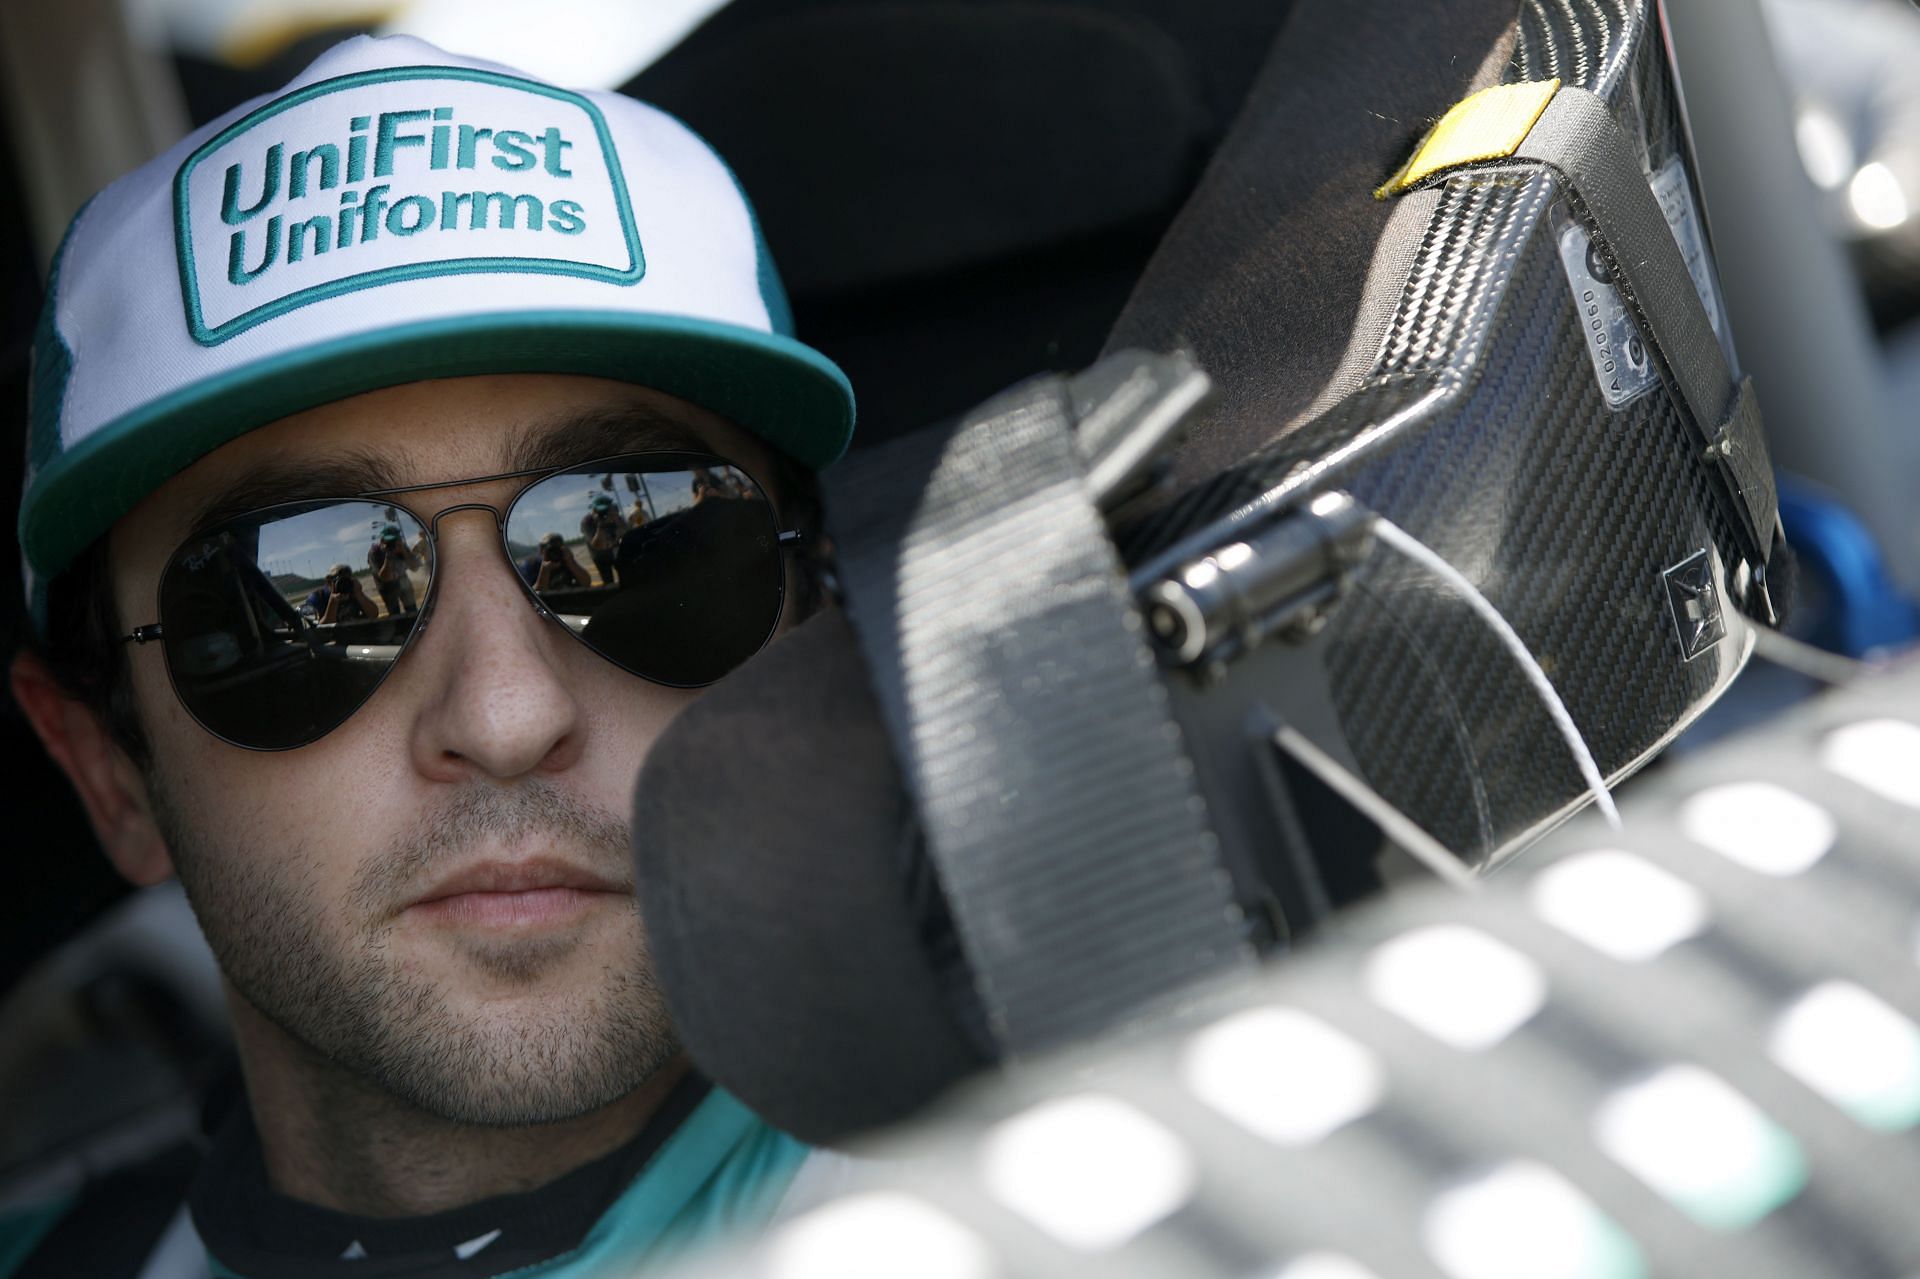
<point>770,832</point>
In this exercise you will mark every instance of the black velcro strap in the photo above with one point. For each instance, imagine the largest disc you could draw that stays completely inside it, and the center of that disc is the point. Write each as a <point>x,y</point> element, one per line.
<point>1006,649</point>
<point>1742,449</point>
<point>1578,137</point>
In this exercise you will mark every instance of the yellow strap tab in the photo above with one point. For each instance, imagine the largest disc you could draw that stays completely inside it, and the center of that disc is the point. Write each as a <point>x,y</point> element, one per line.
<point>1488,125</point>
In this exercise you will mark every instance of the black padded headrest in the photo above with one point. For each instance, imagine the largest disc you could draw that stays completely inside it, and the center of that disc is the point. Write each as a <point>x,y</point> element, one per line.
<point>773,838</point>
<point>933,136</point>
<point>960,193</point>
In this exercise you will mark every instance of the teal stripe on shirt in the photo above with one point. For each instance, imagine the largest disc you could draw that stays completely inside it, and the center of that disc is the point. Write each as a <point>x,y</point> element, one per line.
<point>22,1230</point>
<point>721,1174</point>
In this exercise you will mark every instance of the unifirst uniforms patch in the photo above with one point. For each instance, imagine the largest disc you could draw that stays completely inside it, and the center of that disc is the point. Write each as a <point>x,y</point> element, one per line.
<point>393,174</point>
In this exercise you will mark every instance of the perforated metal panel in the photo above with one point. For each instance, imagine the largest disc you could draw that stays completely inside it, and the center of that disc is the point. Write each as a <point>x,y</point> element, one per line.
<point>1690,1049</point>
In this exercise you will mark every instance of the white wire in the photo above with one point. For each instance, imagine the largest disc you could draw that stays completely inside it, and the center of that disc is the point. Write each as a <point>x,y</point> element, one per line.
<point>1805,659</point>
<point>1419,552</point>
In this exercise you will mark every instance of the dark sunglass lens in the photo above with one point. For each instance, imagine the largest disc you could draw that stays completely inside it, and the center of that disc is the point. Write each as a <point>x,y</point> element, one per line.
<point>279,626</point>
<point>673,573</point>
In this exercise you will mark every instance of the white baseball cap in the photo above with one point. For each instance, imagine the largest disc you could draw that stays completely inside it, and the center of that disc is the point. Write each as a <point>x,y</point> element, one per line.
<point>397,213</point>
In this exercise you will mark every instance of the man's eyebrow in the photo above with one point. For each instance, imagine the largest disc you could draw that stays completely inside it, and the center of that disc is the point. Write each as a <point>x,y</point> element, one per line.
<point>274,483</point>
<point>557,441</point>
<point>580,437</point>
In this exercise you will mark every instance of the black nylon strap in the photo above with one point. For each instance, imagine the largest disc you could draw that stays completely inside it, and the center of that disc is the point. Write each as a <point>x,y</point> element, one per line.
<point>1005,648</point>
<point>117,1221</point>
<point>1743,452</point>
<point>1579,139</point>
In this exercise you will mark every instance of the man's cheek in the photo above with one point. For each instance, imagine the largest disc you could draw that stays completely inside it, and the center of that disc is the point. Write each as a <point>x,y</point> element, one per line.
<point>164,721</point>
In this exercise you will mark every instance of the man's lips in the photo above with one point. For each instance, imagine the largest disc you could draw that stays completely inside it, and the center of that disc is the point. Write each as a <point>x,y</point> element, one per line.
<point>525,892</point>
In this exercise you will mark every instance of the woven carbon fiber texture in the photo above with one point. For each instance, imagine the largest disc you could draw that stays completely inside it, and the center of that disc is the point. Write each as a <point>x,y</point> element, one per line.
<point>1596,506</point>
<point>1483,430</point>
<point>1583,42</point>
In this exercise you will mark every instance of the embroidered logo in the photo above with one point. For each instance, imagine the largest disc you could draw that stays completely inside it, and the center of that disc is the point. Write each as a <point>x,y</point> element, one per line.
<point>391,175</point>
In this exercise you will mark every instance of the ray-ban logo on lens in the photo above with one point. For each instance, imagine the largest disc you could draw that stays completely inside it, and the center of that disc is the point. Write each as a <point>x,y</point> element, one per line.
<point>393,175</point>
<point>1695,601</point>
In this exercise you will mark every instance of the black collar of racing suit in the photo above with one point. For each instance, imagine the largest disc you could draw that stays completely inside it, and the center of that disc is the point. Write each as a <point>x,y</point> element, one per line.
<point>253,1231</point>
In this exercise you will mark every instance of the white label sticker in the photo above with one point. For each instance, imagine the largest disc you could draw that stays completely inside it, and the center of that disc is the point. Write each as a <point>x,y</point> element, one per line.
<point>1676,201</point>
<point>1618,351</point>
<point>1619,354</point>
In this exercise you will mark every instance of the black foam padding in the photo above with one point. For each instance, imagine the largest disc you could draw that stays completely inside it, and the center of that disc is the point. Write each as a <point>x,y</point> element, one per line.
<point>940,135</point>
<point>954,191</point>
<point>773,842</point>
<point>1348,88</point>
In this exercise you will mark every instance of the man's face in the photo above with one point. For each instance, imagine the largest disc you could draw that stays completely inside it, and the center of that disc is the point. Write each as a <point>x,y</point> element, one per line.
<point>436,895</point>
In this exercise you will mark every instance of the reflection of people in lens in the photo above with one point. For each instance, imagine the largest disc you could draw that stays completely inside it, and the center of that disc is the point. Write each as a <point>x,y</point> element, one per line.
<point>603,526</point>
<point>338,599</point>
<point>679,608</point>
<point>388,559</point>
<point>552,566</point>
<point>705,485</point>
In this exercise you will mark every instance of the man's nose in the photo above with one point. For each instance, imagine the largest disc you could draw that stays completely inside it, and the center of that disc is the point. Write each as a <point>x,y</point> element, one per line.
<point>494,700</point>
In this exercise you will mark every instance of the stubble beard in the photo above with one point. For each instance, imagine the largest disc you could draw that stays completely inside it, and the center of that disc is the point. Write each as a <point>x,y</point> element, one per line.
<point>550,1057</point>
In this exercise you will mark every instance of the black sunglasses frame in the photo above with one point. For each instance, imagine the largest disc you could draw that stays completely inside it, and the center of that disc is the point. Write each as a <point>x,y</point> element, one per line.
<point>788,539</point>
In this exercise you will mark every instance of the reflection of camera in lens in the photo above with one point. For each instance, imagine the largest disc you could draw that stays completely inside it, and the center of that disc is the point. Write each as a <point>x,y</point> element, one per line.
<point>700,593</point>
<point>550,553</point>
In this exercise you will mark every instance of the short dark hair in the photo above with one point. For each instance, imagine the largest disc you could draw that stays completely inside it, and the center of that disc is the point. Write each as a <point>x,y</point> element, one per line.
<point>90,658</point>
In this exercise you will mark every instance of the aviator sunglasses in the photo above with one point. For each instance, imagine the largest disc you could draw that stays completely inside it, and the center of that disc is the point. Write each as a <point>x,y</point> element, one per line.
<point>280,623</point>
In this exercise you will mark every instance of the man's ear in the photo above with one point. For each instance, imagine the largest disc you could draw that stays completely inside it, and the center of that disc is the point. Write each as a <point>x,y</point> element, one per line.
<point>111,787</point>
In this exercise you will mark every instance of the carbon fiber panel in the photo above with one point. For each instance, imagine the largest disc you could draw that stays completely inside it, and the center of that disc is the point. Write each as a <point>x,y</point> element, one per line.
<point>1572,518</point>
<point>1483,430</point>
<point>1583,42</point>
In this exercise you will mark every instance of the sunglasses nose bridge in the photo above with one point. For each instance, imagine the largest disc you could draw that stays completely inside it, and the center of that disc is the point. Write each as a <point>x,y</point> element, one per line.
<point>499,517</point>
<point>433,523</point>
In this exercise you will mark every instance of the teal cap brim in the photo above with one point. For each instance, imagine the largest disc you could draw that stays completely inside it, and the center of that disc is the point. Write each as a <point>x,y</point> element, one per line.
<point>786,393</point>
